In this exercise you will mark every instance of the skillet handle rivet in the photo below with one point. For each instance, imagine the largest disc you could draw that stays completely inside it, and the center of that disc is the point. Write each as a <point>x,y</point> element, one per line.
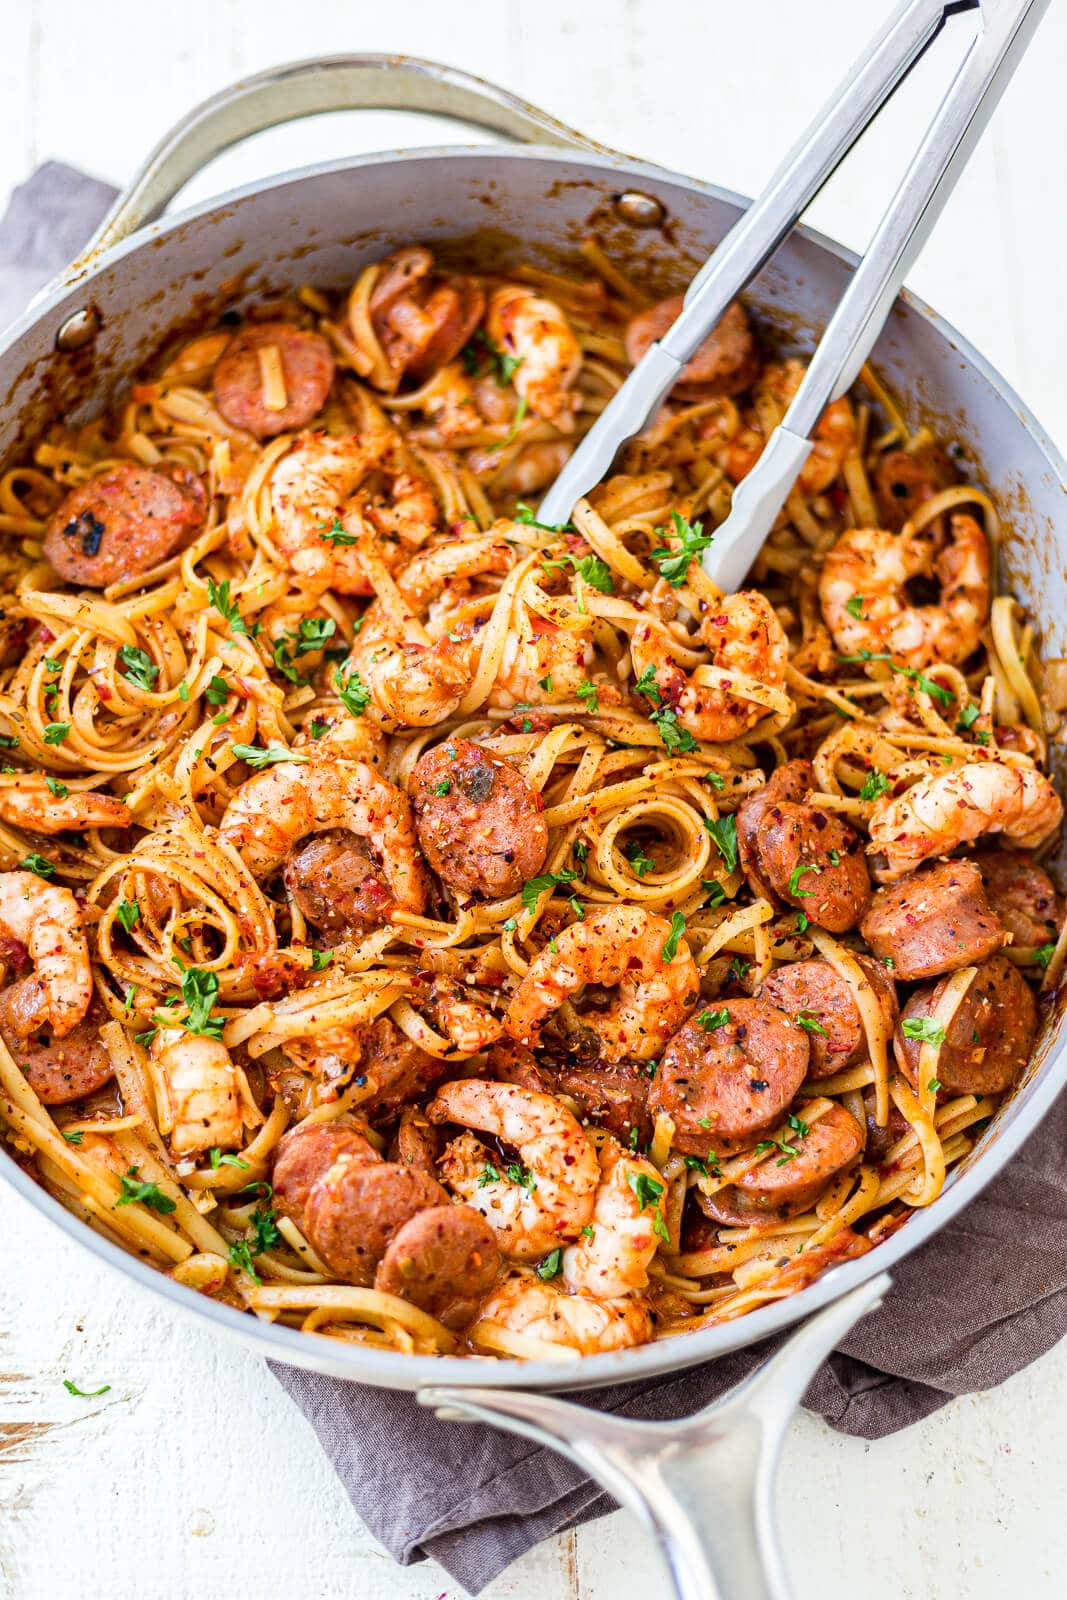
<point>78,329</point>
<point>640,210</point>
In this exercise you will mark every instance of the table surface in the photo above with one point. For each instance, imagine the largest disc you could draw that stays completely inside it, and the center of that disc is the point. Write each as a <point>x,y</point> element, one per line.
<point>194,1475</point>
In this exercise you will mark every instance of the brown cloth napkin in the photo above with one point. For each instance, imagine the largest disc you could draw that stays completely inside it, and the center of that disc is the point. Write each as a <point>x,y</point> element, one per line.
<point>984,1298</point>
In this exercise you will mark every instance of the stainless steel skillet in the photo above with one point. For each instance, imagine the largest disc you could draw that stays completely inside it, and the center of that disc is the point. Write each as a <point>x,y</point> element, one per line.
<point>89,333</point>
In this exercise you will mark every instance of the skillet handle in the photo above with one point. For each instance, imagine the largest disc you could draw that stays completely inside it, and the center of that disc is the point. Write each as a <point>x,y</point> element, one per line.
<point>704,1484</point>
<point>307,88</point>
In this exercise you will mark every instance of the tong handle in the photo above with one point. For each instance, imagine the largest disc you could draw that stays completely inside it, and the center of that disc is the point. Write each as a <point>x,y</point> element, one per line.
<point>704,1484</point>
<point>751,241</point>
<point>1008,26</point>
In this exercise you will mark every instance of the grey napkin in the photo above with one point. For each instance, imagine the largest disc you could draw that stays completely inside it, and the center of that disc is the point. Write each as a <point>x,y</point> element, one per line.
<point>984,1298</point>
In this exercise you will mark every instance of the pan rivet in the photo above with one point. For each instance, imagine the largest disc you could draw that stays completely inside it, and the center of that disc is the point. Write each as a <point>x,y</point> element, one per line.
<point>78,329</point>
<point>640,210</point>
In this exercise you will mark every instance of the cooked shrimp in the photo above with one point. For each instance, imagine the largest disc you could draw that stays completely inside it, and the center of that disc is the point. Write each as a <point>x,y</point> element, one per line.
<point>534,467</point>
<point>535,332</point>
<point>446,570</point>
<point>744,636</point>
<point>411,685</point>
<point>57,1070</point>
<point>542,650</point>
<point>28,802</point>
<point>326,492</point>
<point>48,921</point>
<point>448,402</point>
<point>468,1025</point>
<point>540,1311</point>
<point>835,433</point>
<point>612,1260</point>
<point>200,1105</point>
<point>340,733</point>
<point>948,809</point>
<point>621,947</point>
<point>273,810</point>
<point>535,1206</point>
<point>869,569</point>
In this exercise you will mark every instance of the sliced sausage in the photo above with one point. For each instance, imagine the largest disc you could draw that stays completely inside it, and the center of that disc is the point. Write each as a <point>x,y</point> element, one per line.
<point>401,1069</point>
<point>612,1097</point>
<point>336,882</point>
<point>416,1142</point>
<point>935,920</point>
<point>356,1206</point>
<point>305,1153</point>
<point>444,1260</point>
<point>791,781</point>
<point>783,1186</point>
<point>66,1069</point>
<point>813,991</point>
<point>725,363</point>
<point>422,322</point>
<point>724,1085</point>
<point>122,522</point>
<point>307,373</point>
<point>1025,896</point>
<point>881,1140</point>
<point>988,1041</point>
<point>480,825</point>
<point>816,862</point>
<point>905,480</point>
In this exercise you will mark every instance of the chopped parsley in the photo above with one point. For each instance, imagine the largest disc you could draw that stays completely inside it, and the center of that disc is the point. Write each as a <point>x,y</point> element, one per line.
<point>550,1267</point>
<point>60,790</point>
<point>56,732</point>
<point>793,887</point>
<point>799,1130</point>
<point>587,691</point>
<point>854,607</point>
<point>352,691</point>
<point>934,1085</point>
<point>521,1175</point>
<point>709,1020</point>
<point>924,1028</point>
<point>809,1023</point>
<point>639,862</point>
<point>935,690</point>
<point>219,596</point>
<point>648,1192</point>
<point>874,784</point>
<point>674,564</point>
<point>591,570</point>
<point>85,1394</point>
<point>968,716</point>
<point>138,667</point>
<point>217,1160</point>
<point>258,757</point>
<point>488,1175</point>
<point>148,1194</point>
<point>334,533</point>
<point>35,862</point>
<point>670,944</point>
<point>708,1166</point>
<point>647,685</point>
<point>443,787</point>
<point>1043,954</point>
<point>723,832</point>
<point>676,739</point>
<point>478,347</point>
<point>534,888</point>
<point>217,691</point>
<point>524,514</point>
<point>128,912</point>
<point>74,1138</point>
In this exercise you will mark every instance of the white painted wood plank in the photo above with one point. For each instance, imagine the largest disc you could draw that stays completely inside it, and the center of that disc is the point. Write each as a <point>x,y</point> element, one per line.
<point>195,1446</point>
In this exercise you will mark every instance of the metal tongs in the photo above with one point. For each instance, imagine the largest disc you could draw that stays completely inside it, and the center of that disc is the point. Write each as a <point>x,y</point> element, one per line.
<point>1006,29</point>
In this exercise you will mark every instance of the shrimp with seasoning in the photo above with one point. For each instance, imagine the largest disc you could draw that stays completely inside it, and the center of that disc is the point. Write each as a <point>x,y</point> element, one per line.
<point>868,572</point>
<point>28,802</point>
<point>542,1312</point>
<point>620,948</point>
<point>535,333</point>
<point>744,637</point>
<point>468,1025</point>
<point>611,1259</point>
<point>47,920</point>
<point>549,1198</point>
<point>274,809</point>
<point>834,437</point>
<point>940,812</point>
<point>200,1107</point>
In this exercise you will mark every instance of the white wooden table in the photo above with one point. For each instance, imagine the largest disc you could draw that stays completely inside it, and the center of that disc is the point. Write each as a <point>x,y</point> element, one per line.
<point>194,1476</point>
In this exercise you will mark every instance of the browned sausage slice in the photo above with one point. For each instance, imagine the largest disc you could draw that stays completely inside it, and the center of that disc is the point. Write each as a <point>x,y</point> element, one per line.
<point>305,1153</point>
<point>1025,896</point>
<point>724,1085</point>
<point>881,1140</point>
<point>356,1206</point>
<point>791,781</point>
<point>513,1063</point>
<point>935,920</point>
<point>815,861</point>
<point>421,323</point>
<point>725,363</point>
<point>783,1186</point>
<point>812,992</point>
<point>988,1040</point>
<point>612,1097</point>
<point>67,1069</point>
<point>401,1069</point>
<point>307,373</point>
<point>336,882</point>
<point>122,522</point>
<point>416,1142</point>
<point>479,823</point>
<point>444,1260</point>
